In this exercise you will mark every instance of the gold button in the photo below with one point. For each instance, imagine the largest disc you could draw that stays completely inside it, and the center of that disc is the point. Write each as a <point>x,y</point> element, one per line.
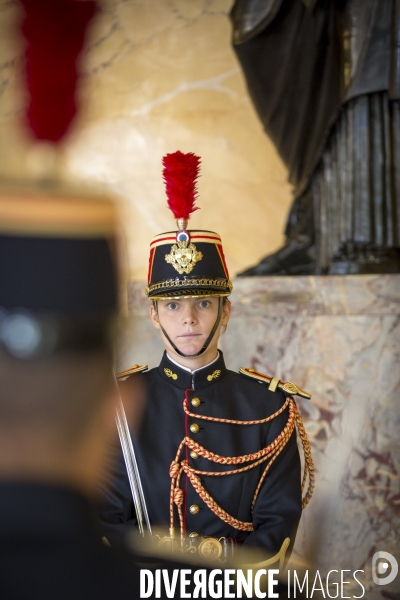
<point>193,534</point>
<point>194,509</point>
<point>194,455</point>
<point>195,402</point>
<point>194,428</point>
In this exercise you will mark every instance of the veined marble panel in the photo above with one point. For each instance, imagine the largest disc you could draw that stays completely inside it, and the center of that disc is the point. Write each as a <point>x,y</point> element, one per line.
<point>339,339</point>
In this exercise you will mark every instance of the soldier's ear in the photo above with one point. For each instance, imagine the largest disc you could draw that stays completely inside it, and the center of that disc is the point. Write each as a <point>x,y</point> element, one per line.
<point>154,316</point>
<point>226,312</point>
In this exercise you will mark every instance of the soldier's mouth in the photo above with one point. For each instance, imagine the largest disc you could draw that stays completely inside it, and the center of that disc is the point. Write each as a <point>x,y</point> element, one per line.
<point>189,335</point>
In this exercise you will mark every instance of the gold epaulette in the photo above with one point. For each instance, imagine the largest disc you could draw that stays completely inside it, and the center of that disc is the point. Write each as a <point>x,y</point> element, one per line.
<point>274,382</point>
<point>131,371</point>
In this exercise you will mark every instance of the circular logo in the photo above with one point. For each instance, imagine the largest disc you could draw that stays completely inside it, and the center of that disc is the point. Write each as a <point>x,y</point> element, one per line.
<point>381,561</point>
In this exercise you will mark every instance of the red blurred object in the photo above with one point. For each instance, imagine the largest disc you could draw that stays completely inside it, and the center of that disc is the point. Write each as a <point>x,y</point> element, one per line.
<point>180,176</point>
<point>55,31</point>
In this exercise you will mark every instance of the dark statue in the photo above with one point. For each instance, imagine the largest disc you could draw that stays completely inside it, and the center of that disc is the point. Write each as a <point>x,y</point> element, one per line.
<point>324,76</point>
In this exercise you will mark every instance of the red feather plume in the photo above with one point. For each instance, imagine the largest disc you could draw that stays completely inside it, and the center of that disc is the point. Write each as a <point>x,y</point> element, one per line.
<point>55,32</point>
<point>180,176</point>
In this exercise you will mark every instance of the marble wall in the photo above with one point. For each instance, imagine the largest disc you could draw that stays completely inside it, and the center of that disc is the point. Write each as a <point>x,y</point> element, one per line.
<point>339,339</point>
<point>157,76</point>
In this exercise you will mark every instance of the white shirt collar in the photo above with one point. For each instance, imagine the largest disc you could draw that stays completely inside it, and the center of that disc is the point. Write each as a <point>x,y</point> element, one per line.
<point>190,370</point>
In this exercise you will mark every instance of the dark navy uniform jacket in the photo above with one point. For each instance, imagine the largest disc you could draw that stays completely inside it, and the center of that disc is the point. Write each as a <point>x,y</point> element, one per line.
<point>223,394</point>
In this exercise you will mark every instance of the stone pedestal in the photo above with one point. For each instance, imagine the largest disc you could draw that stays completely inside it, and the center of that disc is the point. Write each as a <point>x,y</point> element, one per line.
<point>339,339</point>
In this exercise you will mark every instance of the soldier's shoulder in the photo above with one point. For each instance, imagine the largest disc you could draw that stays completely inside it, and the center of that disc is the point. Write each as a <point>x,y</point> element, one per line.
<point>274,383</point>
<point>122,375</point>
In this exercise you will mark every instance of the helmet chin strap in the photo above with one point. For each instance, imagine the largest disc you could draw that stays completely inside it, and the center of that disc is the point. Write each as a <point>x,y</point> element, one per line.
<point>208,340</point>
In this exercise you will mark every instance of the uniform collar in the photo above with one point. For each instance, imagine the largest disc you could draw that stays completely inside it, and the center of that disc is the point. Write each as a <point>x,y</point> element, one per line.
<point>180,377</point>
<point>190,370</point>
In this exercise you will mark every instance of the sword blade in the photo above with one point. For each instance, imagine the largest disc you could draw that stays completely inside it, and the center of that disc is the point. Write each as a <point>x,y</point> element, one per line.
<point>132,469</point>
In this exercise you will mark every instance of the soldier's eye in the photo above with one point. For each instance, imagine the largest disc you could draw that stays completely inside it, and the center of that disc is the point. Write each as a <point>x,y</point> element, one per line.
<point>205,304</point>
<point>172,305</point>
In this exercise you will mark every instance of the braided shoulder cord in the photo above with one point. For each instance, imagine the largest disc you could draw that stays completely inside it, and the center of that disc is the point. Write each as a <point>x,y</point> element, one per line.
<point>271,452</point>
<point>308,461</point>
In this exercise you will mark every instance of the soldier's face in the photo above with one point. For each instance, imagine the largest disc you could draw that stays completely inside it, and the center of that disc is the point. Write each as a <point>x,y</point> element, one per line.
<point>188,322</point>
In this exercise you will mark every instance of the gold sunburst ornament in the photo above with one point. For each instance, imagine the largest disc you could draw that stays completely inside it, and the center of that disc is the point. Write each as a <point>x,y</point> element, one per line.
<point>183,257</point>
<point>169,373</point>
<point>214,375</point>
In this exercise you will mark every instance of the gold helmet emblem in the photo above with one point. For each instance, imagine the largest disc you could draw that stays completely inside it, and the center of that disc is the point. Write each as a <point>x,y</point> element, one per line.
<point>183,257</point>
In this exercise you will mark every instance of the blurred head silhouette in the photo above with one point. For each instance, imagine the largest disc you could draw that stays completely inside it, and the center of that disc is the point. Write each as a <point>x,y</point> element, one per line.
<point>58,303</point>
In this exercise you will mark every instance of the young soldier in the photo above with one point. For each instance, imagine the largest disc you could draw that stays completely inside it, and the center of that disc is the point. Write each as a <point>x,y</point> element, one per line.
<point>216,450</point>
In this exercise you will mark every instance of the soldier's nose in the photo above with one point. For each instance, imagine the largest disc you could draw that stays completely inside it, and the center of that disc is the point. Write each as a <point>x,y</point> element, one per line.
<point>189,316</point>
